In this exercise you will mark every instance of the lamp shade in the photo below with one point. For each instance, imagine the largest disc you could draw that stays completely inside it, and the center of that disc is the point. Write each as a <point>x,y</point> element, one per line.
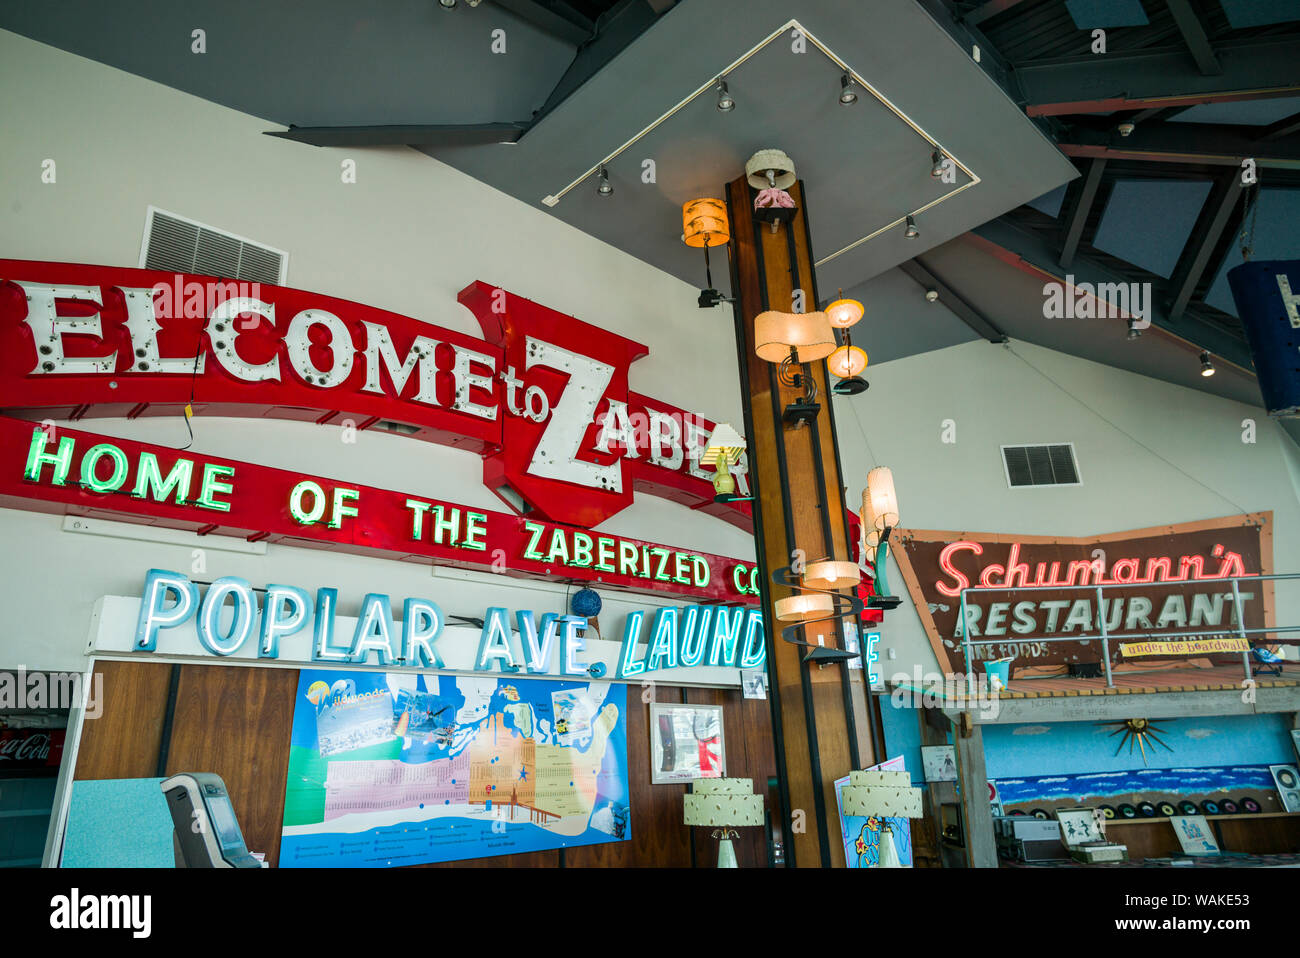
<point>804,606</point>
<point>879,501</point>
<point>847,362</point>
<point>760,163</point>
<point>831,574</point>
<point>843,313</point>
<point>809,334</point>
<point>723,803</point>
<point>725,445</point>
<point>882,801</point>
<point>704,222</point>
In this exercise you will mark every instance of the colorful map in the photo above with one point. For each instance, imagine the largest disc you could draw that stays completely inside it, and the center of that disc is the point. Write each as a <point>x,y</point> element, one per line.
<point>389,768</point>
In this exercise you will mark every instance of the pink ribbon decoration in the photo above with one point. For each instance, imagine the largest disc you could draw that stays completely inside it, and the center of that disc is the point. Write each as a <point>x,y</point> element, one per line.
<point>773,197</point>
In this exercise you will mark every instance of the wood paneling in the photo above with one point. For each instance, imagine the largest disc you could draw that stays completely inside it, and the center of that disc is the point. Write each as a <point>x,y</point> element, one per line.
<point>123,741</point>
<point>236,722</point>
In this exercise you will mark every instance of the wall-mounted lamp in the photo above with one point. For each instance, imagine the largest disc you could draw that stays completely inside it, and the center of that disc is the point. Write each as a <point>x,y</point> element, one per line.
<point>819,597</point>
<point>724,449</point>
<point>791,340</point>
<point>771,172</point>
<point>848,361</point>
<point>879,517</point>
<point>704,224</point>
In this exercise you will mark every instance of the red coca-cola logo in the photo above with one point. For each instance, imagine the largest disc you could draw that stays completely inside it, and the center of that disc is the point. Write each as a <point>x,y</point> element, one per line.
<point>30,747</point>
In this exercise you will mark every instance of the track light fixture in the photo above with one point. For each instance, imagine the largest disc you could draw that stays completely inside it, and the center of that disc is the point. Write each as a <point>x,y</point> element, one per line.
<point>1207,365</point>
<point>726,102</point>
<point>936,164</point>
<point>448,4</point>
<point>1133,331</point>
<point>604,187</point>
<point>847,95</point>
<point>911,232</point>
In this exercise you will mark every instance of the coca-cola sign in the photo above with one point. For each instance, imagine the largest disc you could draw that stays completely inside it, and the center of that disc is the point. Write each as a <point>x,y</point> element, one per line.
<point>30,748</point>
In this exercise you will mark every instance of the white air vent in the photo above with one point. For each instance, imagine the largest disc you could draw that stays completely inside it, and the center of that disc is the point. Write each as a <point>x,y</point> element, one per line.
<point>1041,465</point>
<point>175,244</point>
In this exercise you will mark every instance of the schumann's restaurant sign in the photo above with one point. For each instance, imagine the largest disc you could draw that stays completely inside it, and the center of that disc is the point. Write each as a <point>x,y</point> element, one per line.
<point>1173,578</point>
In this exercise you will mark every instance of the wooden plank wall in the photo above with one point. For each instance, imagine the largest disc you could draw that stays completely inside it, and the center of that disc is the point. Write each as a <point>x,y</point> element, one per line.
<point>236,721</point>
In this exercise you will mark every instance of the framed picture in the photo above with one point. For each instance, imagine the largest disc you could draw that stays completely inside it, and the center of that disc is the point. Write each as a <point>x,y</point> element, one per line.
<point>1287,780</point>
<point>1194,834</point>
<point>940,762</point>
<point>754,684</point>
<point>1295,741</point>
<point>686,743</point>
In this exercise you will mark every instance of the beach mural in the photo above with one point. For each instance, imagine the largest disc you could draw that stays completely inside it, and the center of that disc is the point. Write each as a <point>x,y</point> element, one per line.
<point>1210,765</point>
<point>1147,792</point>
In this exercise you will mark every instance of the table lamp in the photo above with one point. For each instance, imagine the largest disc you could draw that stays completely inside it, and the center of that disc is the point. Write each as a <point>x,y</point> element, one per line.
<point>723,804</point>
<point>882,794</point>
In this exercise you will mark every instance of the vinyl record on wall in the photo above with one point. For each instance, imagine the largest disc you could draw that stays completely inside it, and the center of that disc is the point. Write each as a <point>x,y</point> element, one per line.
<point>1228,806</point>
<point>1147,809</point>
<point>1128,811</point>
<point>1039,813</point>
<point>1167,809</point>
<point>1187,808</point>
<point>1286,778</point>
<point>1209,808</point>
<point>1108,811</point>
<point>1249,805</point>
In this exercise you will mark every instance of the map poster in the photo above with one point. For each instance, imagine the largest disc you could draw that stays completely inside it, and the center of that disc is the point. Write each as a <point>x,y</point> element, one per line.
<point>395,768</point>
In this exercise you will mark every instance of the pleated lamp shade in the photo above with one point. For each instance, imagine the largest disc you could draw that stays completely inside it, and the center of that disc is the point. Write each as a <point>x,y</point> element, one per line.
<point>809,334</point>
<point>879,501</point>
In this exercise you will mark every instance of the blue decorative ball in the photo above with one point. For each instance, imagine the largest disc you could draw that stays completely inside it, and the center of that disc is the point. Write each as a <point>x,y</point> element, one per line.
<point>586,603</point>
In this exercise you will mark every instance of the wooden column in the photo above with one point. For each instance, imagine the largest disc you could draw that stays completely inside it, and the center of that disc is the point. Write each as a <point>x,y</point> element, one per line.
<point>799,504</point>
<point>976,812</point>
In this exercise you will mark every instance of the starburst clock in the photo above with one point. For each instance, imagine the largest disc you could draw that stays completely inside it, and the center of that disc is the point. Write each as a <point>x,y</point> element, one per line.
<point>1140,732</point>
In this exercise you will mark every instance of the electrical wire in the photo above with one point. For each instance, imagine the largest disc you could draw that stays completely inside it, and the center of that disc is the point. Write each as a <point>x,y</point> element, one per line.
<point>1122,432</point>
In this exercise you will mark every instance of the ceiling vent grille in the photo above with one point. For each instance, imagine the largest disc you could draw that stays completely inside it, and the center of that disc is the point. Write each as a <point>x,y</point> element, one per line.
<point>178,245</point>
<point>1041,465</point>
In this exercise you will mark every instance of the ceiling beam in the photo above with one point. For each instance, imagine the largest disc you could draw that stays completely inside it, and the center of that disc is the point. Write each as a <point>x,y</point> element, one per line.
<point>963,310</point>
<point>435,135</point>
<point>990,8</point>
<point>1205,235</point>
<point>1031,254</point>
<point>1209,143</point>
<point>1079,212</point>
<point>574,29</point>
<point>1193,31</point>
<point>1283,127</point>
<point>1252,70</point>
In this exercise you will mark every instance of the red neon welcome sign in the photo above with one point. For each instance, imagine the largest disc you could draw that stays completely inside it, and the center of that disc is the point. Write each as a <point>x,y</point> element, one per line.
<point>544,399</point>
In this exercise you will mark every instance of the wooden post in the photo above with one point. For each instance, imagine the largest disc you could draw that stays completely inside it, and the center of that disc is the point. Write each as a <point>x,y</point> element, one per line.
<point>976,812</point>
<point>799,505</point>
